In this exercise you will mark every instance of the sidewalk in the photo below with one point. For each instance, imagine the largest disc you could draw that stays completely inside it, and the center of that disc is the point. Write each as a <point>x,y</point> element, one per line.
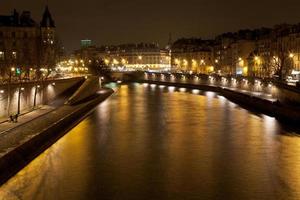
<point>25,118</point>
<point>32,124</point>
<point>21,144</point>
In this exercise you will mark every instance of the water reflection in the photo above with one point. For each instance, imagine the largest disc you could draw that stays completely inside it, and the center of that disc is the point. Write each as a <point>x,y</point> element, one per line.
<point>150,142</point>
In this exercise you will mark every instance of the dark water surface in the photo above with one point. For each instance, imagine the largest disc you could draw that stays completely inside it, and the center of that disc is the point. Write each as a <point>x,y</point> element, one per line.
<point>150,142</point>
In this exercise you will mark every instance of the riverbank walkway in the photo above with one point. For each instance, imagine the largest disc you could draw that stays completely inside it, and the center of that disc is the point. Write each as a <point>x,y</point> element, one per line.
<point>30,125</point>
<point>6,125</point>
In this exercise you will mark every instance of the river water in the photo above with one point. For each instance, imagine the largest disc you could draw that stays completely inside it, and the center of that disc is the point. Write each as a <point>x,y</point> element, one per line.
<point>155,142</point>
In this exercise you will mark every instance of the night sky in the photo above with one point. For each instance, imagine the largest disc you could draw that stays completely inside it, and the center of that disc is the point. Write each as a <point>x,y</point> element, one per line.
<point>121,21</point>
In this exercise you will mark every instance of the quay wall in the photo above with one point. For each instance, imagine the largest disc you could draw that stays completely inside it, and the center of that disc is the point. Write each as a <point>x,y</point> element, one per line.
<point>285,94</point>
<point>20,156</point>
<point>276,109</point>
<point>47,91</point>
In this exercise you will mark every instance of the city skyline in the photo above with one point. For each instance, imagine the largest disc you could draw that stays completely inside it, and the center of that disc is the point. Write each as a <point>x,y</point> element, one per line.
<point>119,22</point>
<point>149,99</point>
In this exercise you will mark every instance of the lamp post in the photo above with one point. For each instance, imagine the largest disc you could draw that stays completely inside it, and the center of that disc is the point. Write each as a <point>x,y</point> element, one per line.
<point>35,94</point>
<point>19,93</point>
<point>11,70</point>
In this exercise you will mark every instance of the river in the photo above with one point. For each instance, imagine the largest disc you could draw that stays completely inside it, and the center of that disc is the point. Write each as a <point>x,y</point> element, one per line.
<point>156,142</point>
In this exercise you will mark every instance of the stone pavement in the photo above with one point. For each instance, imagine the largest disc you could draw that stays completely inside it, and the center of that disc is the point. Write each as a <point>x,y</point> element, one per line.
<point>5,125</point>
<point>37,122</point>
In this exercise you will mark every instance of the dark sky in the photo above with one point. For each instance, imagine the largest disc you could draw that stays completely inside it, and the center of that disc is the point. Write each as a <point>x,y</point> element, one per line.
<point>122,21</point>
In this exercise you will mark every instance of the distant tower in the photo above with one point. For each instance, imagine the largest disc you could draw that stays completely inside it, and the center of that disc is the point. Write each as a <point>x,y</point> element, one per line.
<point>170,42</point>
<point>48,40</point>
<point>169,49</point>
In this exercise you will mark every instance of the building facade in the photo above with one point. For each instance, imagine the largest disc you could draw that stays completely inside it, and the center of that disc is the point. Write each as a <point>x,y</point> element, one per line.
<point>264,52</point>
<point>192,55</point>
<point>141,56</point>
<point>261,52</point>
<point>25,45</point>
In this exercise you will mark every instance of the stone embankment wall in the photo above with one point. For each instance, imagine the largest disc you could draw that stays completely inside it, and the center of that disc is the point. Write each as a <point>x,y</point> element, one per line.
<point>48,128</point>
<point>288,94</point>
<point>290,114</point>
<point>90,87</point>
<point>47,91</point>
<point>285,94</point>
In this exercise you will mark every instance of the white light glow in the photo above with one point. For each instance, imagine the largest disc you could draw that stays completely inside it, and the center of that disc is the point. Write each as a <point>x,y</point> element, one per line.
<point>195,91</point>
<point>171,88</point>
<point>182,89</point>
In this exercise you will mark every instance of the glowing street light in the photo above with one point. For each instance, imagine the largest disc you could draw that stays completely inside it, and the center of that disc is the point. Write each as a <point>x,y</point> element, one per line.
<point>106,61</point>
<point>115,62</point>
<point>185,62</point>
<point>123,61</point>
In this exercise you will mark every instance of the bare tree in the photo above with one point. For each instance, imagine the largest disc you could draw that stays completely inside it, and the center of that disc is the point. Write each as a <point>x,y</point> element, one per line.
<point>281,57</point>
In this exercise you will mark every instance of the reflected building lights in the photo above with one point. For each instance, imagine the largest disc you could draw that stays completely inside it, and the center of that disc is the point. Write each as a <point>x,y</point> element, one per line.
<point>210,95</point>
<point>153,85</point>
<point>269,124</point>
<point>182,89</point>
<point>195,91</point>
<point>171,88</point>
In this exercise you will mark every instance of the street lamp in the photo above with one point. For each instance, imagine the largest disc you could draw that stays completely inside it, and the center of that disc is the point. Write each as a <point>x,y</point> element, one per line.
<point>106,61</point>
<point>123,61</point>
<point>9,89</point>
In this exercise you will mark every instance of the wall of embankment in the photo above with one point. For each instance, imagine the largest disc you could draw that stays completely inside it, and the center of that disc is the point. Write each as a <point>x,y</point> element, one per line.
<point>47,91</point>
<point>276,109</point>
<point>285,94</point>
<point>20,156</point>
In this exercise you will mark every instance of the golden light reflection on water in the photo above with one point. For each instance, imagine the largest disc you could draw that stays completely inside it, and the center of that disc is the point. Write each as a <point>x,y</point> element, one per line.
<point>288,166</point>
<point>43,177</point>
<point>151,142</point>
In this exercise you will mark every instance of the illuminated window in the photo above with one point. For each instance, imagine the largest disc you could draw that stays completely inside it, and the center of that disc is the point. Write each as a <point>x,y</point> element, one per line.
<point>1,55</point>
<point>14,55</point>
